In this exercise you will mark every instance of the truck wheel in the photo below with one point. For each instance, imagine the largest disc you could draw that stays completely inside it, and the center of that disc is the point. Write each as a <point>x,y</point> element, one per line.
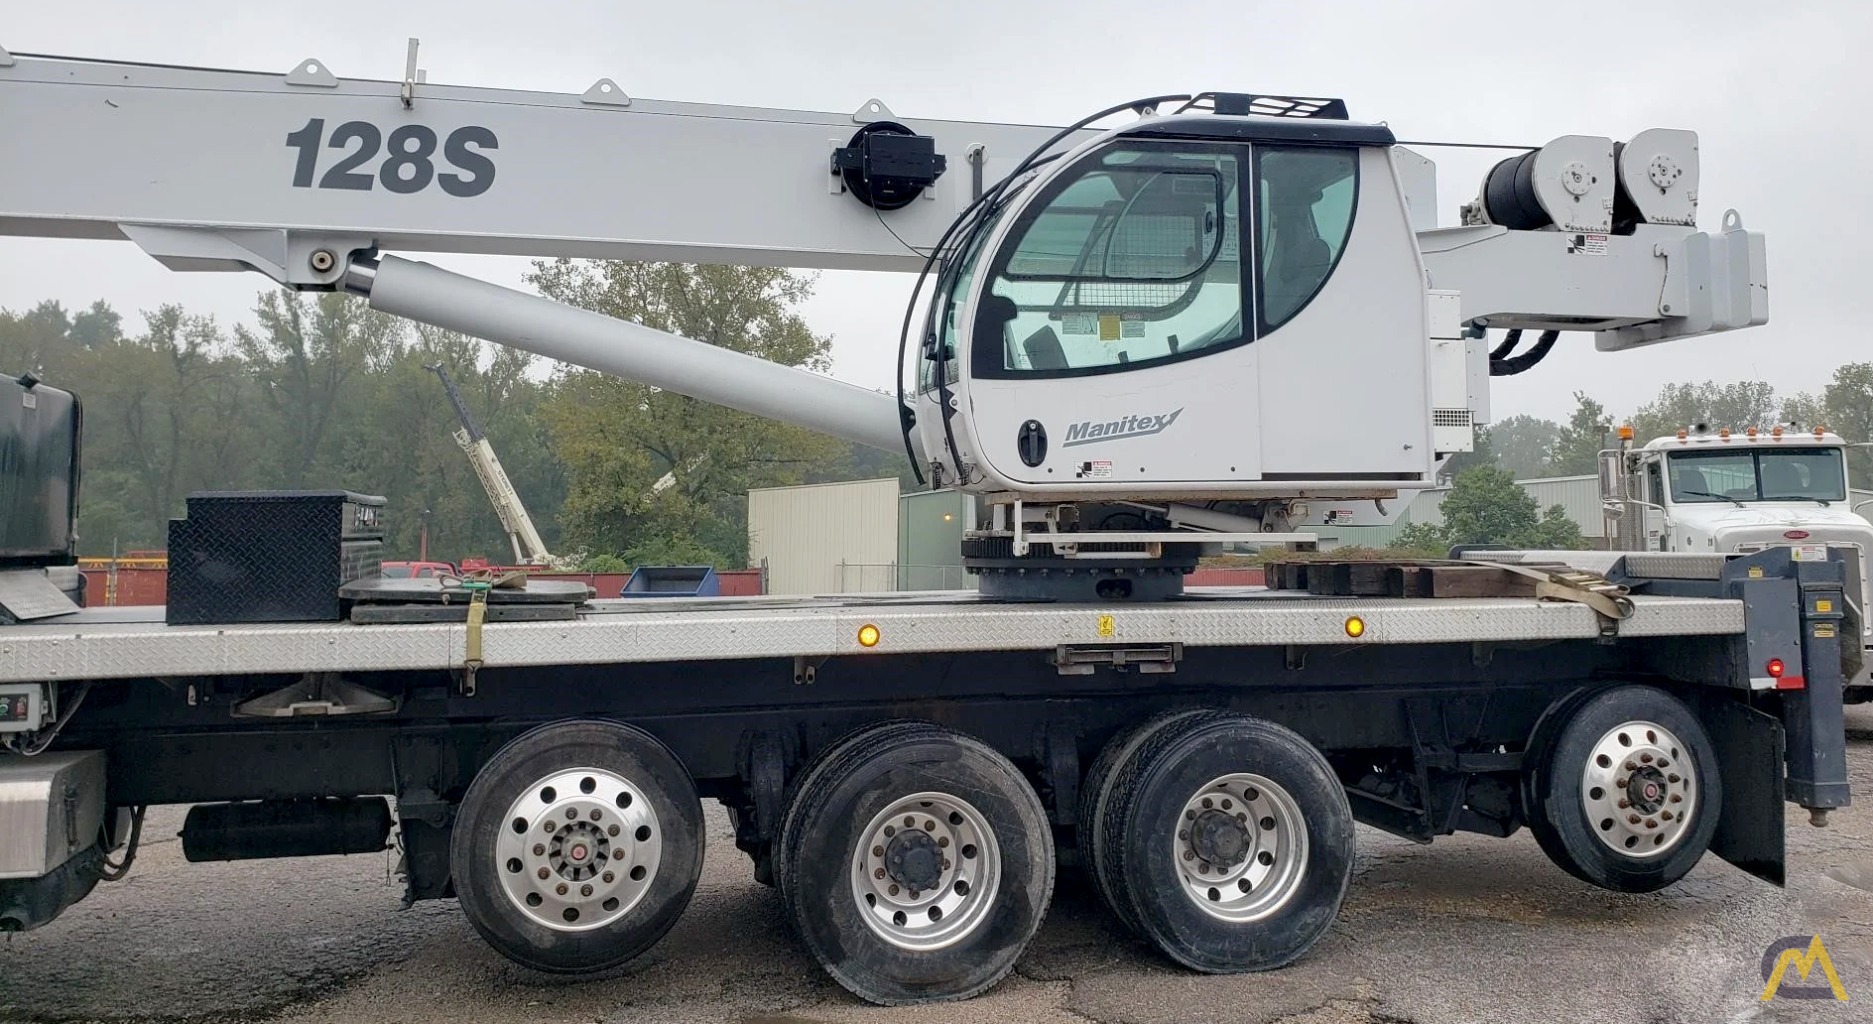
<point>917,864</point>
<point>1096,800</point>
<point>1231,842</point>
<point>577,846</point>
<point>1628,794</point>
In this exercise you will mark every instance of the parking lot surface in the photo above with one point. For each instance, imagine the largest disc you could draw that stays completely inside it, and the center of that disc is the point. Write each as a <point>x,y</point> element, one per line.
<point>1466,929</point>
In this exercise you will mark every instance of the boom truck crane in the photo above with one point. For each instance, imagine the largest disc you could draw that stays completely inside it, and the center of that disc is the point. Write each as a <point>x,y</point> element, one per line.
<point>1121,350</point>
<point>529,549</point>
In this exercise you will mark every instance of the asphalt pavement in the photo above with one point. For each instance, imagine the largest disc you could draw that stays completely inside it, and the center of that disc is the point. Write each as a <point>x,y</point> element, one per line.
<point>1467,929</point>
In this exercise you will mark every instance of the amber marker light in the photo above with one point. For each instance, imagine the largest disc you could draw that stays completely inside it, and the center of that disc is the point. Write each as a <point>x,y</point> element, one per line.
<point>1355,626</point>
<point>868,635</point>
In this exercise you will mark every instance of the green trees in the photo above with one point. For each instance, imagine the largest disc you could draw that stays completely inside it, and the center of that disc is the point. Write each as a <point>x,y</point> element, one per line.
<point>1578,443</point>
<point>657,476</point>
<point>1486,506</point>
<point>319,392</point>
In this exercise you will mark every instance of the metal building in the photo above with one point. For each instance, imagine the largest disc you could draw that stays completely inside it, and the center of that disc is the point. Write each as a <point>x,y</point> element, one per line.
<point>1579,495</point>
<point>826,538</point>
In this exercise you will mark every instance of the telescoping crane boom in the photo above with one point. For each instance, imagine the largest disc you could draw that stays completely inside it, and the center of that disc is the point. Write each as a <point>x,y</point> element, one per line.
<point>529,549</point>
<point>1230,318</point>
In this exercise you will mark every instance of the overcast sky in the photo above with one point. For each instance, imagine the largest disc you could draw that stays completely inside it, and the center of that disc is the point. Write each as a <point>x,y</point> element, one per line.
<point>1777,91</point>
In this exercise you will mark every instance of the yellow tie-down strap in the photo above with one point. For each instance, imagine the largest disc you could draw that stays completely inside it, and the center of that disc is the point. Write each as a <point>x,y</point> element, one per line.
<point>1610,601</point>
<point>478,584</point>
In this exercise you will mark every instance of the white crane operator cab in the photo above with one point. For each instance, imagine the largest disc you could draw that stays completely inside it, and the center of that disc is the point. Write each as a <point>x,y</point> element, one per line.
<point>1197,305</point>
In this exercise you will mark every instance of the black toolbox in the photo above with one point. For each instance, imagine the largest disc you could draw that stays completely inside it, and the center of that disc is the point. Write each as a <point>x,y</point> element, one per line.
<point>271,556</point>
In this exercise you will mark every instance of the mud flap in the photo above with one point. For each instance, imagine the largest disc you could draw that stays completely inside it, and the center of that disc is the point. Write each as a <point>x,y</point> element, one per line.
<point>1750,830</point>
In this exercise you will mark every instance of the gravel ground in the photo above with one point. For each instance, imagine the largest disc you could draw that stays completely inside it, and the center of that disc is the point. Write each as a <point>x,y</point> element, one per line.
<point>1466,929</point>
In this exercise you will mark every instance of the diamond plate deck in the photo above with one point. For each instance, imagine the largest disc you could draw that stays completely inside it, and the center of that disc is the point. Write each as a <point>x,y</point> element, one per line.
<point>121,643</point>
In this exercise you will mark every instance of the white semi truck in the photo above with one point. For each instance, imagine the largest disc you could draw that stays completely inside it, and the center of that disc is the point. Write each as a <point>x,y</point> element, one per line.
<point>1707,490</point>
<point>1228,317</point>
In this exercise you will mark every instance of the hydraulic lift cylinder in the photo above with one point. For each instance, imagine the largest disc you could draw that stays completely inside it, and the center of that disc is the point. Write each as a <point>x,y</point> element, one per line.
<point>504,316</point>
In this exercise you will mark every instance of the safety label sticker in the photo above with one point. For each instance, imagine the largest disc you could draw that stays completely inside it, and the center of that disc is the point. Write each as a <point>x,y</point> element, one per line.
<point>1587,245</point>
<point>1078,323</point>
<point>1096,470</point>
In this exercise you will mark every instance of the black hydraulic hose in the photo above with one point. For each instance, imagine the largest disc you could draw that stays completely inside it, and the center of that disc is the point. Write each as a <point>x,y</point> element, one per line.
<point>1513,365</point>
<point>1508,345</point>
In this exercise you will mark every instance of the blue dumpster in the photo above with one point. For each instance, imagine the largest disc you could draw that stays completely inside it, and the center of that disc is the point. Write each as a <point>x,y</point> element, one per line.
<point>672,581</point>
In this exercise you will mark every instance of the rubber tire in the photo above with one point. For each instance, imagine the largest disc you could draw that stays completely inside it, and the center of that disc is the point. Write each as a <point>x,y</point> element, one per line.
<point>810,778</point>
<point>1536,758</point>
<point>535,755</point>
<point>1096,799</point>
<point>1151,788</point>
<point>820,831</point>
<point>1570,841</point>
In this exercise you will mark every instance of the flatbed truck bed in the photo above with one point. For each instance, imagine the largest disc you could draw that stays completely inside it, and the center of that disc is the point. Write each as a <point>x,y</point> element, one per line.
<point>514,765</point>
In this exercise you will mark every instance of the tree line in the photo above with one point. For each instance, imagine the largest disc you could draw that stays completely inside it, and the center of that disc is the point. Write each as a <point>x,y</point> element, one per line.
<point>1485,507</point>
<point>321,391</point>
<point>1530,447</point>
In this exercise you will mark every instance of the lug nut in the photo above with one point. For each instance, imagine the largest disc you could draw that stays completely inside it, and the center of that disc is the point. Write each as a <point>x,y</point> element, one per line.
<point>878,873</point>
<point>1624,803</point>
<point>1664,815</point>
<point>1647,758</point>
<point>1190,855</point>
<point>1673,777</point>
<point>1677,799</point>
<point>548,826</point>
<point>612,831</point>
<point>1651,823</point>
<point>910,822</point>
<point>545,874</point>
<point>597,814</point>
<point>943,842</point>
<point>1631,767</point>
<point>1662,763</point>
<point>929,826</point>
<point>946,865</point>
<point>893,889</point>
<point>560,888</point>
<point>1632,819</point>
<point>585,890</point>
<point>571,813</point>
<point>608,878</point>
<point>889,831</point>
<point>539,849</point>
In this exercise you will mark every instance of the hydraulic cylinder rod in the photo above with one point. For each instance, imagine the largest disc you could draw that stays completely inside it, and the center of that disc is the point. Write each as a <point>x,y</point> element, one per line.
<point>431,295</point>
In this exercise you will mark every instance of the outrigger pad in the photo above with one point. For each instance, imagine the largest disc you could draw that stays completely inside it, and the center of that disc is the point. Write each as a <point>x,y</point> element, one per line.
<point>28,594</point>
<point>388,590</point>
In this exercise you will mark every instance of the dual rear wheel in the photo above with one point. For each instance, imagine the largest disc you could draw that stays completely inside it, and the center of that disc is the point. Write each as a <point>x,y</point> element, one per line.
<point>915,862</point>
<point>1223,840</point>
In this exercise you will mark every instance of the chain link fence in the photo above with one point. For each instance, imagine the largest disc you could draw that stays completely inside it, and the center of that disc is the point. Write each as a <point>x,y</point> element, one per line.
<point>869,578</point>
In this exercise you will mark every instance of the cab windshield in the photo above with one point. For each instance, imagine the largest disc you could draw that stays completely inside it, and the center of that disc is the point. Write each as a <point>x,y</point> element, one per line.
<point>1734,475</point>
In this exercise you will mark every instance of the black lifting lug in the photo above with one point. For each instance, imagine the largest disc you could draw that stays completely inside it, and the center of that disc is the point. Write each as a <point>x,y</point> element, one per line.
<point>887,165</point>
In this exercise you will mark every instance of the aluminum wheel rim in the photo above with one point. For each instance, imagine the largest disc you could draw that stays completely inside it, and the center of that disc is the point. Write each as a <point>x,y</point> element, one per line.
<point>943,844</point>
<point>578,849</point>
<point>1638,790</point>
<point>1240,847</point>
